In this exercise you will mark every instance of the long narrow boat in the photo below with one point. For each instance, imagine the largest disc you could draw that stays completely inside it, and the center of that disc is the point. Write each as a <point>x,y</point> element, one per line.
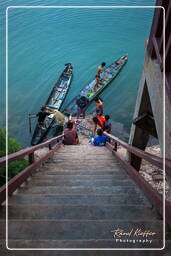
<point>106,77</point>
<point>54,103</point>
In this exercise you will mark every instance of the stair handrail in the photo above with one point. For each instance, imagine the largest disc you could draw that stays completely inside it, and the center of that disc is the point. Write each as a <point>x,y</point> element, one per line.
<point>156,199</point>
<point>155,160</point>
<point>23,152</point>
<point>22,176</point>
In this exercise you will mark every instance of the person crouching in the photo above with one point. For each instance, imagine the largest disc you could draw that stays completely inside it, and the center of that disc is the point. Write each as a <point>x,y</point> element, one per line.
<point>103,122</point>
<point>70,135</point>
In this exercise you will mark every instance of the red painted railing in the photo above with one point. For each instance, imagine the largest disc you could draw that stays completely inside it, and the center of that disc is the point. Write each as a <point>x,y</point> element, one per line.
<point>16,181</point>
<point>152,194</point>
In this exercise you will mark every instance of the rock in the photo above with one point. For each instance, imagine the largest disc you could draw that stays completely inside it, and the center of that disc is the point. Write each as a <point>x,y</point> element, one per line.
<point>157,177</point>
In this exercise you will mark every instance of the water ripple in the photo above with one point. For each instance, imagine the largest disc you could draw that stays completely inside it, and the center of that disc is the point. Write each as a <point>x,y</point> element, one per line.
<point>42,40</point>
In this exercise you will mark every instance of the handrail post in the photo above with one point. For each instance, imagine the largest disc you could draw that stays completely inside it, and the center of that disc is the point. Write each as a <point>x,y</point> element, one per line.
<point>31,158</point>
<point>115,146</point>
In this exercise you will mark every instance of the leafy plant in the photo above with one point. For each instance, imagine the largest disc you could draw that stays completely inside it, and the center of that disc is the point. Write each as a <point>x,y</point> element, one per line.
<point>15,167</point>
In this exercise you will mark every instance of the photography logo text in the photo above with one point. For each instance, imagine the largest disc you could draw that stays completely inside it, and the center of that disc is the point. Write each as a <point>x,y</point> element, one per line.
<point>133,236</point>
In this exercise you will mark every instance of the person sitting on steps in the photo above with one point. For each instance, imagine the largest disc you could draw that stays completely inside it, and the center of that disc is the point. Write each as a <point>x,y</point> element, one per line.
<point>70,135</point>
<point>99,140</point>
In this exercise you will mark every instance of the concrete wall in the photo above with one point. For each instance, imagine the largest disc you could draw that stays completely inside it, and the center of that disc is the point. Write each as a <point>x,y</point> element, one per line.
<point>152,79</point>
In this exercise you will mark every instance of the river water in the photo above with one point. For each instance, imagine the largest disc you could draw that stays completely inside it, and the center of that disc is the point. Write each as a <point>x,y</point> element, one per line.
<point>42,40</point>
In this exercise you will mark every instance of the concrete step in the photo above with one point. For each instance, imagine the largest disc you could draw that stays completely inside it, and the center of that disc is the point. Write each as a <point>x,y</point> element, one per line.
<point>80,182</point>
<point>83,153</point>
<point>112,190</point>
<point>77,171</point>
<point>85,243</point>
<point>82,148</point>
<point>84,199</point>
<point>42,175</point>
<point>76,229</point>
<point>82,166</point>
<point>84,157</point>
<point>82,161</point>
<point>78,212</point>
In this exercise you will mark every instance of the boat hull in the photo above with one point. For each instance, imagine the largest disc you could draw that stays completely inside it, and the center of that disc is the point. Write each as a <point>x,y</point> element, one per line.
<point>107,77</point>
<point>54,103</point>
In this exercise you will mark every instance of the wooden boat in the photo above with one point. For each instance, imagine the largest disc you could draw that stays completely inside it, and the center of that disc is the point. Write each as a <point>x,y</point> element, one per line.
<point>105,78</point>
<point>54,104</point>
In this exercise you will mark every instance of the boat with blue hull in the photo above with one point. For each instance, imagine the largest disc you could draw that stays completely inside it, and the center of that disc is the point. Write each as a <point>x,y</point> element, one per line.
<point>53,106</point>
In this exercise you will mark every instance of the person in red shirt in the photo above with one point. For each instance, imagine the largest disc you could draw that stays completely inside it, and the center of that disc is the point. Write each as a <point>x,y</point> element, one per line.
<point>70,135</point>
<point>100,121</point>
<point>103,122</point>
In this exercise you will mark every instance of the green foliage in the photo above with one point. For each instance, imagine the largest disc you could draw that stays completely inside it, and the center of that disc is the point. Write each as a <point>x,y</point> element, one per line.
<point>13,146</point>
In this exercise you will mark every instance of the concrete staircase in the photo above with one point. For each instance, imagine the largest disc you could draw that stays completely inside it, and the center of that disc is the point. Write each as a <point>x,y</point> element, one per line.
<point>76,200</point>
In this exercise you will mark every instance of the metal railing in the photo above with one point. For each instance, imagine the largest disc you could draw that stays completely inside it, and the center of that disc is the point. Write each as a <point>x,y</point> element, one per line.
<point>21,177</point>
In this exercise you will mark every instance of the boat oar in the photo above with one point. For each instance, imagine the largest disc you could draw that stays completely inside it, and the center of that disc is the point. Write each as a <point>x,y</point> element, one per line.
<point>30,124</point>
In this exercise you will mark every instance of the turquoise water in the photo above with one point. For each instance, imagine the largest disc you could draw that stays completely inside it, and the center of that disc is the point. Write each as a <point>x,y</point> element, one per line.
<point>41,40</point>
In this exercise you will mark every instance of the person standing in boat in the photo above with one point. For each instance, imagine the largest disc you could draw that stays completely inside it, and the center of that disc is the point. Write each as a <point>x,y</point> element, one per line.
<point>82,103</point>
<point>69,68</point>
<point>41,117</point>
<point>98,77</point>
<point>99,107</point>
<point>99,69</point>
